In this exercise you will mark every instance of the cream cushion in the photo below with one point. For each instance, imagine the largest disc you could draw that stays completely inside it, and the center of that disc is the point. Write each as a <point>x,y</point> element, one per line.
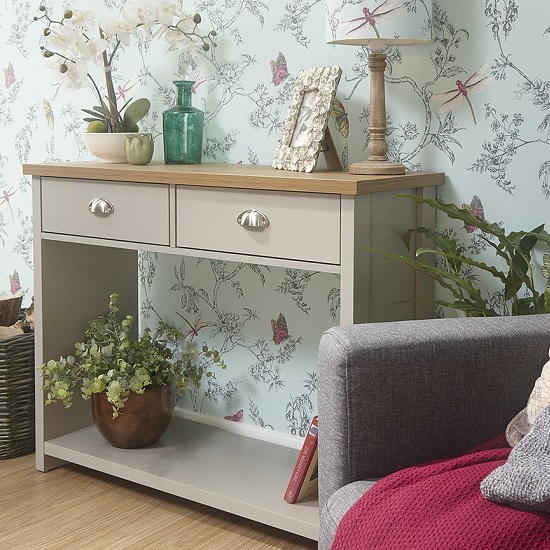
<point>522,423</point>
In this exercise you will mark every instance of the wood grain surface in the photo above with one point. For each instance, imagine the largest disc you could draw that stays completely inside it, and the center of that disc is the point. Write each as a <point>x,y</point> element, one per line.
<point>237,176</point>
<point>73,508</point>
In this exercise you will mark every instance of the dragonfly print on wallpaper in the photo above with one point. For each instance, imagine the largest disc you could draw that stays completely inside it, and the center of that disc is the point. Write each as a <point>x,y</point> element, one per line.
<point>463,90</point>
<point>269,348</point>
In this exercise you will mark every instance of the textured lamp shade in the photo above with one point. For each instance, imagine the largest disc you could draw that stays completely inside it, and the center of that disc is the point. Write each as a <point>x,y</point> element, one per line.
<point>378,24</point>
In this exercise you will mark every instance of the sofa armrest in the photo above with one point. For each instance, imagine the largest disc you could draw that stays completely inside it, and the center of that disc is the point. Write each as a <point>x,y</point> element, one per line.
<point>392,395</point>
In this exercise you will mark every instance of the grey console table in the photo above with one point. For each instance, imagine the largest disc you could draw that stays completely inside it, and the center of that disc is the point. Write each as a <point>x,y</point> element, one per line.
<point>314,221</point>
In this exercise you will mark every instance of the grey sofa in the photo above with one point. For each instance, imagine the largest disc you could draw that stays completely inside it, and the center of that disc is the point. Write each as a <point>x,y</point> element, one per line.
<point>392,395</point>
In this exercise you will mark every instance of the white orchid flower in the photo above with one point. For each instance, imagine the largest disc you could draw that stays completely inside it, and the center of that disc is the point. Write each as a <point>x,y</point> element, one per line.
<point>84,20</point>
<point>93,50</point>
<point>69,74</point>
<point>122,30</point>
<point>165,11</point>
<point>78,39</point>
<point>63,39</point>
<point>184,44</point>
<point>139,12</point>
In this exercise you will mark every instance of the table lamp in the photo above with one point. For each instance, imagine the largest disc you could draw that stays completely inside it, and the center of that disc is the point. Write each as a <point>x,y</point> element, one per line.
<point>378,24</point>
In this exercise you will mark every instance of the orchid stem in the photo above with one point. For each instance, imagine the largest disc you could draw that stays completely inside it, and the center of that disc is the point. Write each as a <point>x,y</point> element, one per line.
<point>110,87</point>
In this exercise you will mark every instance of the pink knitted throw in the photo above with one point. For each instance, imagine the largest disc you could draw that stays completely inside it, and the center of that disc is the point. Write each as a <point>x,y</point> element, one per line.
<point>439,506</point>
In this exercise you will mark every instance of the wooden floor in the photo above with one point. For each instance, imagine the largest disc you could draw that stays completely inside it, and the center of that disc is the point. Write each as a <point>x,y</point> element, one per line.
<point>72,508</point>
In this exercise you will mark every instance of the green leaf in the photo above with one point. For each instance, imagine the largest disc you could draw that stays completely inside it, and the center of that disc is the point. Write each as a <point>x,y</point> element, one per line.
<point>547,300</point>
<point>98,109</point>
<point>461,214</point>
<point>135,112</point>
<point>456,260</point>
<point>94,117</point>
<point>515,249</point>
<point>462,289</point>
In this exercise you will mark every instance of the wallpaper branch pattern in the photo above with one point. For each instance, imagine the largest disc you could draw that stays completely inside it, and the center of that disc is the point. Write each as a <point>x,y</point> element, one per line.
<point>493,146</point>
<point>497,155</point>
<point>203,288</point>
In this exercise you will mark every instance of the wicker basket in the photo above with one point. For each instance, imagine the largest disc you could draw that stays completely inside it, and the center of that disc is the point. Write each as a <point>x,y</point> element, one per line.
<point>17,395</point>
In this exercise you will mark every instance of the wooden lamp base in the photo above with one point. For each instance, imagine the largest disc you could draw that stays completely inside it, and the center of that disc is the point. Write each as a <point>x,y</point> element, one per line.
<point>377,167</point>
<point>377,162</point>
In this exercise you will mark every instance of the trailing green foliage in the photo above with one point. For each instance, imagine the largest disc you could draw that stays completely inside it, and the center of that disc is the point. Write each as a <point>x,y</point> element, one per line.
<point>515,249</point>
<point>109,360</point>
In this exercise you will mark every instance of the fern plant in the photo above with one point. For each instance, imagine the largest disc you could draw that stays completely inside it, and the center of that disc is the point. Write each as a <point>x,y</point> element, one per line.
<point>515,250</point>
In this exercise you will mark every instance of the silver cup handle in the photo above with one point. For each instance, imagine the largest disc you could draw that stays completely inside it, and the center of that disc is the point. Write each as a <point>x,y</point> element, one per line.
<point>253,219</point>
<point>101,207</point>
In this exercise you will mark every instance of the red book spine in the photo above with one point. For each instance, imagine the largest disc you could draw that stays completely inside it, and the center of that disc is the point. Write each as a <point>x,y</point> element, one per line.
<point>303,463</point>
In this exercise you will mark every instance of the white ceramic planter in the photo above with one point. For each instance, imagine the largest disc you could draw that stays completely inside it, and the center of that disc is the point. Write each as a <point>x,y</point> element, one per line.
<point>107,147</point>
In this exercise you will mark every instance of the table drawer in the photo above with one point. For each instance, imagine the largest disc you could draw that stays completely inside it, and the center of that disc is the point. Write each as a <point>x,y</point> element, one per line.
<point>140,213</point>
<point>300,226</point>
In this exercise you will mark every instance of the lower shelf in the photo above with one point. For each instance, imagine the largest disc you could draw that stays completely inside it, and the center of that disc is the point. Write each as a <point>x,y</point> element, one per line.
<point>234,473</point>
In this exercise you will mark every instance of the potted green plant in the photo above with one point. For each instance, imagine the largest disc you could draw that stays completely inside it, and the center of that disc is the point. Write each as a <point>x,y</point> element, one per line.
<point>455,270</point>
<point>132,382</point>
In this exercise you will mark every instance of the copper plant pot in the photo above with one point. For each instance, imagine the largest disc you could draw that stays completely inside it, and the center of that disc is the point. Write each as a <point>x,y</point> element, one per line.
<point>142,421</point>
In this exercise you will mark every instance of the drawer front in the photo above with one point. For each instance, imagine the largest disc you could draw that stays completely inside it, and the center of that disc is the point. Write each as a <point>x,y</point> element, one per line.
<point>301,226</point>
<point>140,211</point>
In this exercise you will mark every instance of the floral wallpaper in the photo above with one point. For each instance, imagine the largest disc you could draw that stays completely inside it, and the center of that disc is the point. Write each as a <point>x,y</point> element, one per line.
<point>264,321</point>
<point>492,144</point>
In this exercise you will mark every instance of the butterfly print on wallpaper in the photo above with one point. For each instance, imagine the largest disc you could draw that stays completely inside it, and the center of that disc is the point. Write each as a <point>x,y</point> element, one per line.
<point>476,209</point>
<point>280,329</point>
<point>48,113</point>
<point>15,284</point>
<point>237,417</point>
<point>545,269</point>
<point>338,113</point>
<point>279,70</point>
<point>9,75</point>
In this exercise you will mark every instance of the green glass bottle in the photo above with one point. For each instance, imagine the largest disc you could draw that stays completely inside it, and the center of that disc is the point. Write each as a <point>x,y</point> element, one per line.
<point>183,128</point>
